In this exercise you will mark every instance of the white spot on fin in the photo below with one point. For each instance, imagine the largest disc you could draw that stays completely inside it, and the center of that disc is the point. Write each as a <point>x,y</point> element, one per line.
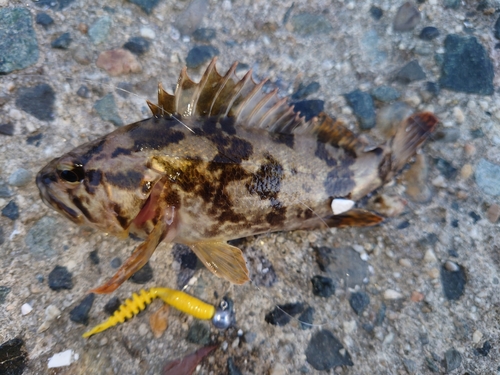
<point>339,205</point>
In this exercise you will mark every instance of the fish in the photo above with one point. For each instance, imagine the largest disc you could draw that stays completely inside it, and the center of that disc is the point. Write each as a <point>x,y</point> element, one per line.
<point>218,160</point>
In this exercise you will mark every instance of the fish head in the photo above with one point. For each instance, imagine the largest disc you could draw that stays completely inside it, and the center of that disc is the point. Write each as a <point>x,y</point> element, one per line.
<point>101,184</point>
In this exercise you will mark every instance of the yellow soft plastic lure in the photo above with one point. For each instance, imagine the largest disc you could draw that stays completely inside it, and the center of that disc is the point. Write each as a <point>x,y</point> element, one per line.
<point>175,298</point>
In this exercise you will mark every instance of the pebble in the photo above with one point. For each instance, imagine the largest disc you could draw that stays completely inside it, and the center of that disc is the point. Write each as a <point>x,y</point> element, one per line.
<point>477,336</point>
<point>376,12</point>
<point>204,34</point>
<point>306,318</point>
<point>429,33</point>
<point>339,262</point>
<point>146,5</point>
<point>115,262</point>
<point>390,117</point>
<point>18,49</point>
<point>452,4</point>
<point>359,301</point>
<point>40,236</point>
<point>26,309</point>
<point>363,108</point>
<point>309,108</point>
<point>51,313</point>
<point>99,31</point>
<point>447,170</point>
<point>430,256</point>
<point>4,291</point>
<point>94,257</point>
<point>51,4</point>
<point>199,333</point>
<point>452,359</point>
<point>411,72</point>
<point>118,61</point>
<point>190,18</point>
<point>60,278</point>
<point>44,19</point>
<point>391,294</point>
<point>407,17</point>
<point>11,211</point>
<point>7,129</point>
<point>463,74</point>
<point>232,368</point>
<point>451,266</point>
<point>493,213</point>
<point>34,139</point>
<point>281,314</point>
<point>137,45</point>
<point>410,366</point>
<point>417,296</point>
<point>62,42</point>
<point>144,275</point>
<point>386,94</point>
<point>487,177</point>
<point>14,355</point>
<point>106,109</point>
<point>485,350</point>
<point>82,56</point>
<point>306,24</point>
<point>453,282</point>
<point>496,28</point>
<point>373,48</point>
<point>147,32</point>
<point>323,286</point>
<point>38,101</point>
<point>158,321</point>
<point>61,359</point>
<point>80,313</point>
<point>431,364</point>
<point>305,90</point>
<point>325,351</point>
<point>112,305</point>
<point>200,55</point>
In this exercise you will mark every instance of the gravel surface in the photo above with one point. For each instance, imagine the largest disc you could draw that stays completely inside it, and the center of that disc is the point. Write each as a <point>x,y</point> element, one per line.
<point>418,294</point>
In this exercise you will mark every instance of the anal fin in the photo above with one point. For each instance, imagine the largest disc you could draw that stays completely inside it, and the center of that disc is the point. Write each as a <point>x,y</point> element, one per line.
<point>222,260</point>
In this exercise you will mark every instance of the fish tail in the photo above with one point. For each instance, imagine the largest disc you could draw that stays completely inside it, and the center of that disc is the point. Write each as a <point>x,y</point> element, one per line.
<point>410,135</point>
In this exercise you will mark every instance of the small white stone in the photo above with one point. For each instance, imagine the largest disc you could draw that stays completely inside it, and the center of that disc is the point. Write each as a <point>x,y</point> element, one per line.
<point>451,266</point>
<point>439,182</point>
<point>147,32</point>
<point>405,263</point>
<point>459,115</point>
<point>430,256</point>
<point>477,336</point>
<point>52,312</point>
<point>340,205</point>
<point>349,326</point>
<point>26,309</point>
<point>61,359</point>
<point>392,294</point>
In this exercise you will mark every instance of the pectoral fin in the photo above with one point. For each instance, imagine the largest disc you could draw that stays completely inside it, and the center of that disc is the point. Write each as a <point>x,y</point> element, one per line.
<point>222,260</point>
<point>134,263</point>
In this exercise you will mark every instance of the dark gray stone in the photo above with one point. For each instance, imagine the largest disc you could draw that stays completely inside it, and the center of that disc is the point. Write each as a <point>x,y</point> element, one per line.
<point>453,282</point>
<point>309,108</point>
<point>18,45</point>
<point>199,333</point>
<point>359,301</point>
<point>452,359</point>
<point>323,286</point>
<point>410,72</point>
<point>106,109</point>
<point>466,66</point>
<point>342,264</point>
<point>34,139</point>
<point>281,314</point>
<point>204,34</point>
<point>99,30</point>
<point>94,257</point>
<point>487,177</point>
<point>146,5</point>
<point>431,365</point>
<point>452,4</point>
<point>112,305</point>
<point>232,368</point>
<point>11,211</point>
<point>60,278</point>
<point>446,168</point>
<point>407,17</point>
<point>80,313</point>
<point>13,357</point>
<point>40,236</point>
<point>484,350</point>
<point>324,352</point>
<point>188,261</point>
<point>83,92</point>
<point>303,90</point>
<point>137,45</point>
<point>429,33</point>
<point>44,19</point>
<point>410,366</point>
<point>38,101</point>
<point>363,108</point>
<point>496,28</point>
<point>144,275</point>
<point>306,318</point>
<point>385,94</point>
<point>7,129</point>
<point>200,55</point>
<point>376,12</point>
<point>310,24</point>
<point>20,177</point>
<point>5,192</point>
<point>116,263</point>
<point>62,42</point>
<point>4,291</point>
<point>432,88</point>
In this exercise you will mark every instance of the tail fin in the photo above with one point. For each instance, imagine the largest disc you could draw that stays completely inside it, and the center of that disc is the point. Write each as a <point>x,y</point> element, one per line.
<point>409,137</point>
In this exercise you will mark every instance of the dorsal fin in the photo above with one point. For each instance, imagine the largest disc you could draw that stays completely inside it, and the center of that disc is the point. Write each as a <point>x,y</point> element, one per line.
<point>227,95</point>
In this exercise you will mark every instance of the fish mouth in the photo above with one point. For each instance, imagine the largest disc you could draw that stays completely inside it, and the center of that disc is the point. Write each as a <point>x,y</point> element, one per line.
<point>43,181</point>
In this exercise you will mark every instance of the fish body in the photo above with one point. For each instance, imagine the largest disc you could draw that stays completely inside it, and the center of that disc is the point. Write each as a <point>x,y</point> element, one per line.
<point>219,160</point>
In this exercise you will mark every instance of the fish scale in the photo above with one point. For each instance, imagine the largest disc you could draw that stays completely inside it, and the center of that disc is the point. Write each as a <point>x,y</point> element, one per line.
<point>222,159</point>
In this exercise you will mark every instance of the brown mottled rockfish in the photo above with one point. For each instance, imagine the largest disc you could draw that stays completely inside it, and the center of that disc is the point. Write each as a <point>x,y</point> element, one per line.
<point>221,159</point>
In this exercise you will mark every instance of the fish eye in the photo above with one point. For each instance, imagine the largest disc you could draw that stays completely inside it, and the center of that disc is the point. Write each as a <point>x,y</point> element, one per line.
<point>72,174</point>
